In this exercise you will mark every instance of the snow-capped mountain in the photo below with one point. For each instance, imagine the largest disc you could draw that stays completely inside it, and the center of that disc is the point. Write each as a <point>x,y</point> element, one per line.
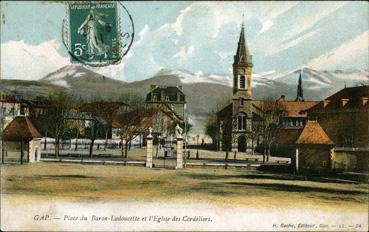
<point>203,91</point>
<point>315,82</point>
<point>187,77</point>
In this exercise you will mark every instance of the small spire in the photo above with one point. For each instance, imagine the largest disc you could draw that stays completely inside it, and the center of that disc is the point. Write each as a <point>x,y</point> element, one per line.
<point>300,94</point>
<point>243,54</point>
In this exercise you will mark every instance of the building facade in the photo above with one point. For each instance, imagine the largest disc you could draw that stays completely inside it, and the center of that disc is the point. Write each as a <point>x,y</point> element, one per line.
<point>237,119</point>
<point>167,96</point>
<point>344,116</point>
<point>20,141</point>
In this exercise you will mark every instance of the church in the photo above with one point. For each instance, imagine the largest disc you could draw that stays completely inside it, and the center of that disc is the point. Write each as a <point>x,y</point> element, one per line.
<point>245,122</point>
<point>236,120</point>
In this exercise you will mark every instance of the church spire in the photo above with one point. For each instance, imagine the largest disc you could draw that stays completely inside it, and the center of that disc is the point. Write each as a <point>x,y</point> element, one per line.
<point>300,94</point>
<point>243,55</point>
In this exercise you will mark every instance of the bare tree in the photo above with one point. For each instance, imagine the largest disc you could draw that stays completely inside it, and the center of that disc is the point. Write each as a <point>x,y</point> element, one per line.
<point>54,120</point>
<point>271,113</point>
<point>131,124</point>
<point>212,123</point>
<point>104,113</point>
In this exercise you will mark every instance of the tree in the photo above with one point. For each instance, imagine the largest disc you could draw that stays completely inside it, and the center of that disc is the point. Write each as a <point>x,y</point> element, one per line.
<point>104,113</point>
<point>131,124</point>
<point>212,123</point>
<point>132,99</point>
<point>54,120</point>
<point>271,112</point>
<point>212,129</point>
<point>94,131</point>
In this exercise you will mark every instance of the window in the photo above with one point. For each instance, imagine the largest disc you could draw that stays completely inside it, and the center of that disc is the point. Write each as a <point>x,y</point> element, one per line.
<point>241,101</point>
<point>241,122</point>
<point>242,82</point>
<point>12,111</point>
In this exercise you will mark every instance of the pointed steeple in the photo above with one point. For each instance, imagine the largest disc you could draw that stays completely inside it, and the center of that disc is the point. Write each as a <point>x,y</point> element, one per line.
<point>243,55</point>
<point>300,94</point>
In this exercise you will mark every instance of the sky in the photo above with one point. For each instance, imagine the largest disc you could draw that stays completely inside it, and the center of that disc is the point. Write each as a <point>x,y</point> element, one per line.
<point>200,37</point>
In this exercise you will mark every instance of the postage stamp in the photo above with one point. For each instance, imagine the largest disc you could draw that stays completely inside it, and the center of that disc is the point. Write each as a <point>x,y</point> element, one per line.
<point>93,32</point>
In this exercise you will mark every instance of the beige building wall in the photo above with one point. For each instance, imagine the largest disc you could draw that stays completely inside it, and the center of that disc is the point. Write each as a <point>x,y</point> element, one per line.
<point>12,151</point>
<point>34,150</point>
<point>314,158</point>
<point>350,161</point>
<point>345,129</point>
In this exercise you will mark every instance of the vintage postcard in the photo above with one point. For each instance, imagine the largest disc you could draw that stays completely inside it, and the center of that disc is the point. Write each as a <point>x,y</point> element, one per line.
<point>184,116</point>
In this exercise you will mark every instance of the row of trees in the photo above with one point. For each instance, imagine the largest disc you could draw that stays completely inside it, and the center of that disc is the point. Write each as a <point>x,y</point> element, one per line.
<point>64,117</point>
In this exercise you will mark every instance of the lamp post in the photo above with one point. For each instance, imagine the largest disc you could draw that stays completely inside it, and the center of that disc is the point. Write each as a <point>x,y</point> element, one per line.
<point>185,130</point>
<point>197,146</point>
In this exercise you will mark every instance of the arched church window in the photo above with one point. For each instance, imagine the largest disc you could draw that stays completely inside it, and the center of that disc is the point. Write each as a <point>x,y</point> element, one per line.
<point>241,122</point>
<point>242,82</point>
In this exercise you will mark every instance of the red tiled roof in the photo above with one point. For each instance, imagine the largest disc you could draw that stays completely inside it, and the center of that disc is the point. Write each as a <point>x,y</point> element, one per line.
<point>353,95</point>
<point>313,133</point>
<point>296,108</point>
<point>20,128</point>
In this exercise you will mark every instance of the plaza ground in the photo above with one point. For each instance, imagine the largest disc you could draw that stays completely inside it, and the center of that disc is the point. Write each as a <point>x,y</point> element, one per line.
<point>234,199</point>
<point>229,187</point>
<point>139,154</point>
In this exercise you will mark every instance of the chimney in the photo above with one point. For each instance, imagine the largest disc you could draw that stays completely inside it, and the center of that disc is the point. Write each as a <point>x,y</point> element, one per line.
<point>364,100</point>
<point>326,102</point>
<point>152,87</point>
<point>282,98</point>
<point>344,101</point>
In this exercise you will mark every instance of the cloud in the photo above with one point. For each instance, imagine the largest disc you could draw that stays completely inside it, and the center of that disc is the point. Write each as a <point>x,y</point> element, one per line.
<point>353,51</point>
<point>145,30</point>
<point>184,53</point>
<point>309,18</point>
<point>203,36</point>
<point>20,60</point>
<point>292,43</point>
<point>274,12</point>
<point>177,25</point>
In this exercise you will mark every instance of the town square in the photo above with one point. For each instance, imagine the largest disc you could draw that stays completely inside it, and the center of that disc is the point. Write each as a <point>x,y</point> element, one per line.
<point>217,116</point>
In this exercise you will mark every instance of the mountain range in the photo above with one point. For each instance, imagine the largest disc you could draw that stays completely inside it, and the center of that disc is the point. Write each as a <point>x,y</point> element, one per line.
<point>203,91</point>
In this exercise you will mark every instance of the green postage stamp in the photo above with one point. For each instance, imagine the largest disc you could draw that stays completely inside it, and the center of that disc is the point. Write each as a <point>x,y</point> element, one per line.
<point>93,32</point>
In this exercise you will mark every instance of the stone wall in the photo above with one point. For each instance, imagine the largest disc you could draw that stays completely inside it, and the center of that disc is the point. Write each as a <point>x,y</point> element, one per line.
<point>345,129</point>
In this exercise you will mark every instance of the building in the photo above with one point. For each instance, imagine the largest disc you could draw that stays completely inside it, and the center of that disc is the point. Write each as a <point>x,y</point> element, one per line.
<point>171,96</point>
<point>292,118</point>
<point>10,107</point>
<point>237,119</point>
<point>20,141</point>
<point>314,149</point>
<point>15,105</point>
<point>344,116</point>
<point>162,121</point>
<point>294,112</point>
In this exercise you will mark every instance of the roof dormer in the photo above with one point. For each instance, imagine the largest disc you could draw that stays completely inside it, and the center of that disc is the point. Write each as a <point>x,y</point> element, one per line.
<point>364,100</point>
<point>344,101</point>
<point>326,102</point>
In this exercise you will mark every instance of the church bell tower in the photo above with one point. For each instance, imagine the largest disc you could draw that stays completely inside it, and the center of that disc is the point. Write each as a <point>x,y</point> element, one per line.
<point>242,109</point>
<point>242,70</point>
